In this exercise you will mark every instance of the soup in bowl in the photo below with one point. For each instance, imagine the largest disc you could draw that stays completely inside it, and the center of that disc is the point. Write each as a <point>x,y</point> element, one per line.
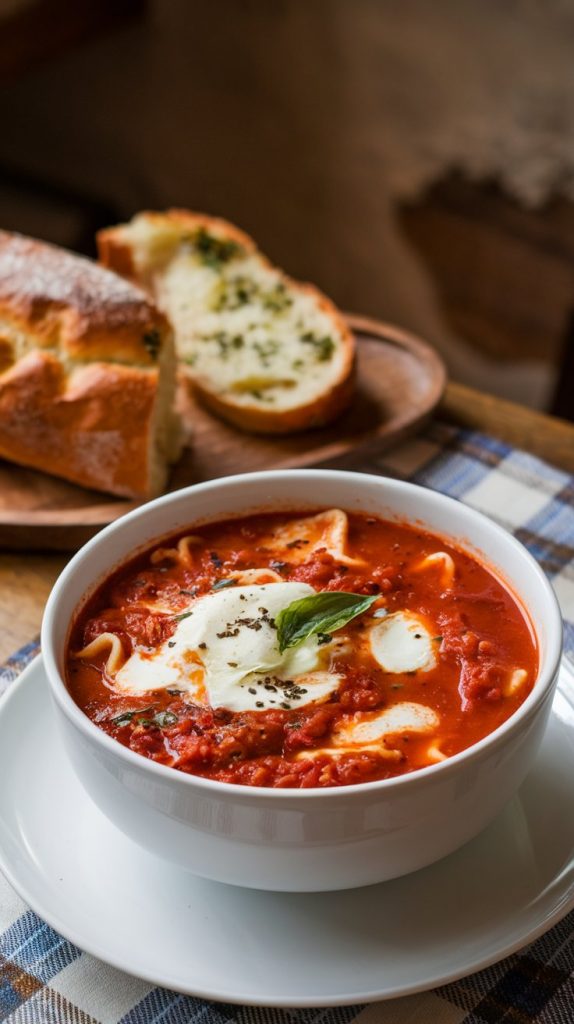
<point>291,695</point>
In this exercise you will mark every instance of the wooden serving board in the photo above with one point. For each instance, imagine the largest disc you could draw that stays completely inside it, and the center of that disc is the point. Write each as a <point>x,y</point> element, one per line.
<point>400,380</point>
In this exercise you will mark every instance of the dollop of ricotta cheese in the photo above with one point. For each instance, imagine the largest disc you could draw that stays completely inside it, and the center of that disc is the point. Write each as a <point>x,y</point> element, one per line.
<point>224,653</point>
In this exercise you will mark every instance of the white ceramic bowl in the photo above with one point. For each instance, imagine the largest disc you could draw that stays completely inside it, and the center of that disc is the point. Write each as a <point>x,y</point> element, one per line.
<point>304,840</point>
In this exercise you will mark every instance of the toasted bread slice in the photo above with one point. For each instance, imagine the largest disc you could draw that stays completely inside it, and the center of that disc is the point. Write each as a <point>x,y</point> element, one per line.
<point>264,352</point>
<point>87,372</point>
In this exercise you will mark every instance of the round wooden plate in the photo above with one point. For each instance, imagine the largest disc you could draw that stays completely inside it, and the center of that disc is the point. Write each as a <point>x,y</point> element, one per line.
<point>400,380</point>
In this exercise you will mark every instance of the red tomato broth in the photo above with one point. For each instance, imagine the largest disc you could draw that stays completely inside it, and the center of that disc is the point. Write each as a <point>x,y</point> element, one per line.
<point>484,636</point>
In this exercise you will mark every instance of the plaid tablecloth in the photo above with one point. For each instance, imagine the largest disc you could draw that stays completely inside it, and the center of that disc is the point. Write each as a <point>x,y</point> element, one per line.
<point>44,979</point>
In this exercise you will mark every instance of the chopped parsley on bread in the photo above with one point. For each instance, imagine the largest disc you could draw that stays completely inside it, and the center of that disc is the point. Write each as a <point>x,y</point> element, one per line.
<point>264,352</point>
<point>87,372</point>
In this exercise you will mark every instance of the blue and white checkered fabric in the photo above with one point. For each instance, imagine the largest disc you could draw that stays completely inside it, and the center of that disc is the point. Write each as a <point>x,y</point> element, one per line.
<point>44,979</point>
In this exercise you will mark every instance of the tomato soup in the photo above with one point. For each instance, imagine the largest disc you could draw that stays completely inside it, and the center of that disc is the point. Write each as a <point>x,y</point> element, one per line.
<point>301,650</point>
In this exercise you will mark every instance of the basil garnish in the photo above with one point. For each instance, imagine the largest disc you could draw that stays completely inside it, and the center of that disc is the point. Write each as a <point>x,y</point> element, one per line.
<point>222,584</point>
<point>161,718</point>
<point>319,613</point>
<point>125,717</point>
<point>164,719</point>
<point>180,618</point>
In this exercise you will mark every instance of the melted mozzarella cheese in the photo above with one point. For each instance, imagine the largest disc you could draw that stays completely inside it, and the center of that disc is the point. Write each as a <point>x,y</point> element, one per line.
<point>370,728</point>
<point>224,653</point>
<point>402,643</point>
<point>370,731</point>
<point>297,540</point>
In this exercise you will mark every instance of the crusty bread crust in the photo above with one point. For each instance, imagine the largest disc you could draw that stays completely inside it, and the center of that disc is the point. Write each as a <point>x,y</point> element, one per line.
<point>81,355</point>
<point>116,253</point>
<point>324,409</point>
<point>262,421</point>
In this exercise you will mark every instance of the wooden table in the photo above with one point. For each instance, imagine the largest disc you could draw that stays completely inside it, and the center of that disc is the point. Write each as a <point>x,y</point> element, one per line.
<point>26,580</point>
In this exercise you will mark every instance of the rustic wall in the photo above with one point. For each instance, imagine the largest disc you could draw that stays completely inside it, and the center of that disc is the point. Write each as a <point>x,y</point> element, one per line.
<point>309,123</point>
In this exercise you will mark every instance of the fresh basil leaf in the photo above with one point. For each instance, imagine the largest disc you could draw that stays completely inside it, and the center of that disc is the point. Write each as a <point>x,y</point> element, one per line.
<point>318,613</point>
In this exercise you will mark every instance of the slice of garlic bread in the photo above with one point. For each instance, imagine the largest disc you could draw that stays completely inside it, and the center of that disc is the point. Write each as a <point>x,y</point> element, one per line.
<point>264,352</point>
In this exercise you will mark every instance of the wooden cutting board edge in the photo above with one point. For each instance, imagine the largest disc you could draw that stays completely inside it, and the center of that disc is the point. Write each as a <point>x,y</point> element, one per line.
<point>38,529</point>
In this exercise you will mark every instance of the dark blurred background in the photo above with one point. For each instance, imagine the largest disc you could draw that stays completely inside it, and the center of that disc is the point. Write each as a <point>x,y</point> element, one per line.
<point>414,159</point>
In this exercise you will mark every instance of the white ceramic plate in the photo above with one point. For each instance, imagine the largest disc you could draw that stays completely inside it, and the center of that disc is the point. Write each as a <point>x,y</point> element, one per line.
<point>140,914</point>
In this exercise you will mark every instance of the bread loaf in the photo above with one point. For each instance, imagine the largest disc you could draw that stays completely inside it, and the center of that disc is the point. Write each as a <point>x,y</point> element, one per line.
<point>263,351</point>
<point>87,372</point>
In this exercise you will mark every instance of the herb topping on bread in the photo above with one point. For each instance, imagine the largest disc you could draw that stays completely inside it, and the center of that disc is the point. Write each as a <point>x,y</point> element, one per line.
<point>265,352</point>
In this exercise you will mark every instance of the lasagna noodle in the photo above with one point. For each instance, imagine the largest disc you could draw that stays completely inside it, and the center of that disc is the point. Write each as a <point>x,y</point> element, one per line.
<point>182,554</point>
<point>300,538</point>
<point>446,566</point>
<point>102,643</point>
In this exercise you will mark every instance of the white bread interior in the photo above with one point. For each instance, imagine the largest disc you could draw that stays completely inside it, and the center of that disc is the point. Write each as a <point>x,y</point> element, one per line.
<point>265,352</point>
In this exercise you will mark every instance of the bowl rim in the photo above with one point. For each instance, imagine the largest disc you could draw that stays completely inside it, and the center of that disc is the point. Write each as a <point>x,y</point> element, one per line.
<point>540,692</point>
